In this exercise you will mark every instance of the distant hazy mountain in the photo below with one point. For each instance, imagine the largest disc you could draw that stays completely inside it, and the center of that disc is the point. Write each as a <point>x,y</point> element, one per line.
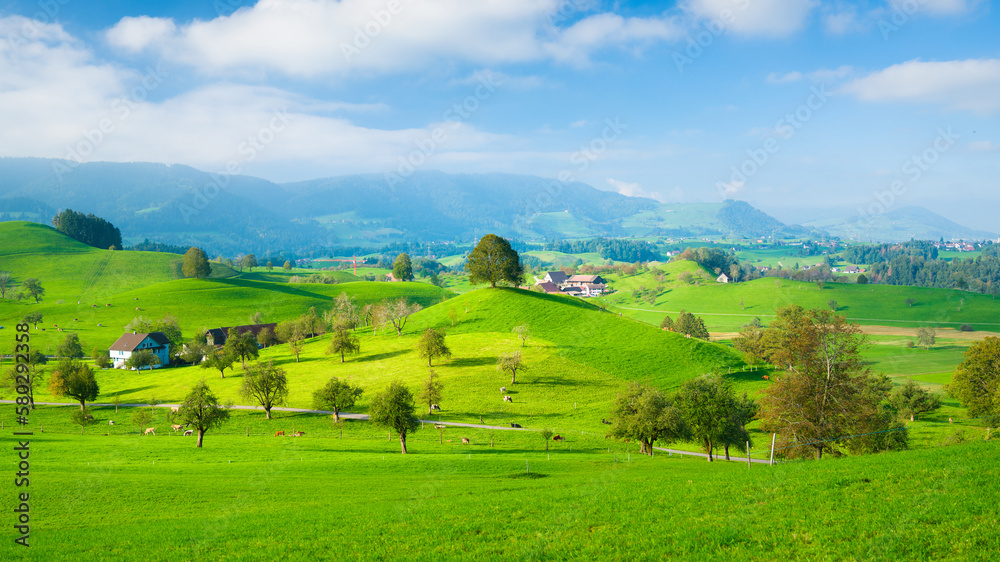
<point>231,215</point>
<point>899,225</point>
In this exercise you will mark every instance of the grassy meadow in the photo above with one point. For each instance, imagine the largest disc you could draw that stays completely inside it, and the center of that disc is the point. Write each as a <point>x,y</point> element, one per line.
<point>124,496</point>
<point>108,492</point>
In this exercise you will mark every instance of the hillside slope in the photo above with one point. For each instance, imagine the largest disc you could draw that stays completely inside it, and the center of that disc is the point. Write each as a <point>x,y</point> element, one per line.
<point>583,333</point>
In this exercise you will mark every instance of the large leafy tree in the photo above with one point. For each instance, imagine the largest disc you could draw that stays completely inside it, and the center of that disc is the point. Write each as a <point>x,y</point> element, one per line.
<point>343,341</point>
<point>266,384</point>
<point>242,346</point>
<point>292,333</point>
<point>33,288</point>
<point>431,344</point>
<point>402,268</point>
<point>218,359</point>
<point>828,391</point>
<point>337,395</point>
<point>705,404</point>
<point>70,347</point>
<point>76,380</point>
<point>168,325</point>
<point>249,261</point>
<point>141,359</point>
<point>493,261</point>
<point>691,325</point>
<point>976,383</point>
<point>911,400</point>
<point>393,409</point>
<point>647,415</point>
<point>201,410</point>
<point>196,264</point>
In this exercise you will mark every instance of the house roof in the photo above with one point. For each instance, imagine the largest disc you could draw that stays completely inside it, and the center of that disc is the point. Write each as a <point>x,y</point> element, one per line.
<point>584,278</point>
<point>568,290</point>
<point>548,287</point>
<point>592,286</point>
<point>556,277</point>
<point>128,342</point>
<point>219,335</point>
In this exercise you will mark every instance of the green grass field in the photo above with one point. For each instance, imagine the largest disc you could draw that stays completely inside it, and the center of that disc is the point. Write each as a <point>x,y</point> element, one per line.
<point>125,496</point>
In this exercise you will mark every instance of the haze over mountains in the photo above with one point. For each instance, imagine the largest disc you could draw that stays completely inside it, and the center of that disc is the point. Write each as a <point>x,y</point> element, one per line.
<point>237,214</point>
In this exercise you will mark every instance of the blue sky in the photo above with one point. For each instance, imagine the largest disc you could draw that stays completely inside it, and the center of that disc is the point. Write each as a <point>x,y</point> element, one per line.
<point>801,107</point>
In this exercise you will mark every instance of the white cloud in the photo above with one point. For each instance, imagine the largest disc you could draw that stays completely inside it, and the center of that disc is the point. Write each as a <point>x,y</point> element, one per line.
<point>968,85</point>
<point>136,33</point>
<point>631,189</point>
<point>311,38</point>
<point>843,21</point>
<point>982,146</point>
<point>768,18</point>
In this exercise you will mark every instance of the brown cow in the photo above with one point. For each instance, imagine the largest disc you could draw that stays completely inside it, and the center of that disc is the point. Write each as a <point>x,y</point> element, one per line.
<point>279,433</point>
<point>298,434</point>
<point>558,438</point>
<point>176,427</point>
<point>150,431</point>
<point>465,440</point>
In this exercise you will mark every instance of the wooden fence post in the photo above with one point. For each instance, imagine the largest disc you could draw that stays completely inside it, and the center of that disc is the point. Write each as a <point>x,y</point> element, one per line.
<point>748,454</point>
<point>773,436</point>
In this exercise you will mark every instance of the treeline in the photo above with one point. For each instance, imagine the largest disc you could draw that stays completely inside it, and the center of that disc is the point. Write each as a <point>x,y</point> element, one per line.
<point>147,246</point>
<point>916,264</point>
<point>719,261</point>
<point>89,229</point>
<point>608,248</point>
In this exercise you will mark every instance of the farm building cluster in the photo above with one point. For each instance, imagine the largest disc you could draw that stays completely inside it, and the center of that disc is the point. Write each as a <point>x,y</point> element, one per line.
<point>158,344</point>
<point>557,282</point>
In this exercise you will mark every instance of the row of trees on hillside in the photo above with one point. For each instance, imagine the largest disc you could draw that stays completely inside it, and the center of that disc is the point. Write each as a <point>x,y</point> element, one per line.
<point>705,410</point>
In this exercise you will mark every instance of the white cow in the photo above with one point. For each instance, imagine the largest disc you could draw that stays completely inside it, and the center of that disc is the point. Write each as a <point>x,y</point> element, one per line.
<point>189,432</point>
<point>111,422</point>
<point>150,431</point>
<point>508,399</point>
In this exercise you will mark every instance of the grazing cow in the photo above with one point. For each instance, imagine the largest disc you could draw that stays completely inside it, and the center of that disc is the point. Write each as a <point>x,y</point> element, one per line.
<point>604,421</point>
<point>76,319</point>
<point>176,427</point>
<point>465,440</point>
<point>55,325</point>
<point>279,433</point>
<point>298,434</point>
<point>137,308</point>
<point>558,438</point>
<point>136,298</point>
<point>93,306</point>
<point>111,422</point>
<point>189,432</point>
<point>150,431</point>
<point>515,425</point>
<point>508,399</point>
<point>767,378</point>
<point>435,407</point>
<point>109,304</point>
<point>175,409</point>
<point>503,390</point>
<point>100,325</point>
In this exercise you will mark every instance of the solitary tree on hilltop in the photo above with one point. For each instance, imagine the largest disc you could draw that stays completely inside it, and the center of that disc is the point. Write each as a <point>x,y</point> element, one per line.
<point>402,268</point>
<point>393,409</point>
<point>201,410</point>
<point>196,264</point>
<point>493,261</point>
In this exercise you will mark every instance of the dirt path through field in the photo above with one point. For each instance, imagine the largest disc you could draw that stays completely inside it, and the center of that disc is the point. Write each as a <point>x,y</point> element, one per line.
<point>942,333</point>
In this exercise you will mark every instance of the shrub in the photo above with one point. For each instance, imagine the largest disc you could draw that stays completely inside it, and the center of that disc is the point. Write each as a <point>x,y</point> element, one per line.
<point>966,328</point>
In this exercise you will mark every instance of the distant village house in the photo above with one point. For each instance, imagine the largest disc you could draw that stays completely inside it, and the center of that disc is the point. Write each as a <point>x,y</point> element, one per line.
<point>156,342</point>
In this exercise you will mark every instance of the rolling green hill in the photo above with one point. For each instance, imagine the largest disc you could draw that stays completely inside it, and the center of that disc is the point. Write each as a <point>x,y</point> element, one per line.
<point>720,304</point>
<point>81,282</point>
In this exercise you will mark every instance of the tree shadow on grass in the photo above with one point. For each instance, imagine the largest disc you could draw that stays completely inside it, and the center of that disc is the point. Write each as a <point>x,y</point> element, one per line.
<point>472,361</point>
<point>380,356</point>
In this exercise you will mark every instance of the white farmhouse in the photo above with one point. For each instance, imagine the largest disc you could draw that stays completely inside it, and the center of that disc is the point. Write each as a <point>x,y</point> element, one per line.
<point>128,344</point>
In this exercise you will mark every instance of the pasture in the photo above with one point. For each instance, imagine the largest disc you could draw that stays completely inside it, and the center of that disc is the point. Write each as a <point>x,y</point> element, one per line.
<point>125,496</point>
